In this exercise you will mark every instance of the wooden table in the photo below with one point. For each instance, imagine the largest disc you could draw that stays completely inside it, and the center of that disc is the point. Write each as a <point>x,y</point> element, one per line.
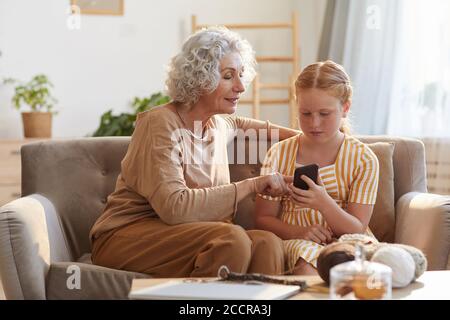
<point>432,285</point>
<point>10,168</point>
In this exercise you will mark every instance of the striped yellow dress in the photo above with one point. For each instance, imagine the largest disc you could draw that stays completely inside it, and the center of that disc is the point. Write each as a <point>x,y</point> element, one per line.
<point>352,178</point>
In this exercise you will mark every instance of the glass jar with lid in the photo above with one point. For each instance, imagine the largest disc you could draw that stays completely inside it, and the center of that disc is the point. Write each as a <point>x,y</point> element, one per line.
<point>360,279</point>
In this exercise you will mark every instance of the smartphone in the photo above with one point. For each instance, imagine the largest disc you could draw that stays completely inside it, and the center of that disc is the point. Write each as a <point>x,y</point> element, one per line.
<point>311,171</point>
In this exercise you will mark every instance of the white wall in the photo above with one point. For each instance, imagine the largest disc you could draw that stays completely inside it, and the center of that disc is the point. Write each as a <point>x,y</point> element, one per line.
<point>111,59</point>
<point>311,17</point>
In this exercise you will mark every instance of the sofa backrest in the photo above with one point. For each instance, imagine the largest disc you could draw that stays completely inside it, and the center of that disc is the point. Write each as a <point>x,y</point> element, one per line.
<point>77,176</point>
<point>408,164</point>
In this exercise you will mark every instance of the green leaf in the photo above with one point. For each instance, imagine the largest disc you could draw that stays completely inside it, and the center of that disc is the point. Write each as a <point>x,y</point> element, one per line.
<point>124,124</point>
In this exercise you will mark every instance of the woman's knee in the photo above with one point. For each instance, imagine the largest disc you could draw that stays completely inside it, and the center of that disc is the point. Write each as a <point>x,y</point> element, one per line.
<point>267,252</point>
<point>237,238</point>
<point>234,244</point>
<point>224,244</point>
<point>265,241</point>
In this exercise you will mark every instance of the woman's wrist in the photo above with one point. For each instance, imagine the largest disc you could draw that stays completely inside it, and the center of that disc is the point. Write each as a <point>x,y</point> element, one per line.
<point>245,187</point>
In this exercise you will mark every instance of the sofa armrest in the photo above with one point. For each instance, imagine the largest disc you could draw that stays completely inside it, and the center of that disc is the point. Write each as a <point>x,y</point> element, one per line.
<point>30,239</point>
<point>423,221</point>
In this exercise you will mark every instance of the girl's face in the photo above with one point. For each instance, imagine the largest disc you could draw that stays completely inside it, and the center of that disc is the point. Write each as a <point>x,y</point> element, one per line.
<point>320,114</point>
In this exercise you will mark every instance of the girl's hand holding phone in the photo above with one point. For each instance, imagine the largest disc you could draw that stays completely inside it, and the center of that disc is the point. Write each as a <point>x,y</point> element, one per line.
<point>316,197</point>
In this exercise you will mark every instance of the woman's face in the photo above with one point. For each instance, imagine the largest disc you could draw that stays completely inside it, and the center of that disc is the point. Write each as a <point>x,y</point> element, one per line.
<point>320,114</point>
<point>224,99</point>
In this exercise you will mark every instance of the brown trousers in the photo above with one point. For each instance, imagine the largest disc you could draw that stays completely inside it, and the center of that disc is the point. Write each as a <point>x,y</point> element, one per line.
<point>188,250</point>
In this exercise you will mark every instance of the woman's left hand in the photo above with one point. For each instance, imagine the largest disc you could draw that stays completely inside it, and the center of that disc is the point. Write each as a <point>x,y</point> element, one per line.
<point>315,197</point>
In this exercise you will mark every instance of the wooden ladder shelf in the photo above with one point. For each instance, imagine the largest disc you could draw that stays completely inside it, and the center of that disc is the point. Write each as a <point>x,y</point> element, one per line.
<point>256,101</point>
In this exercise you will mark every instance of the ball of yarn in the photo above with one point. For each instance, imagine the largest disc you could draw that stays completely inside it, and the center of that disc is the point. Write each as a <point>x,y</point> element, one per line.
<point>401,263</point>
<point>370,243</point>
<point>357,238</point>
<point>418,257</point>
<point>331,255</point>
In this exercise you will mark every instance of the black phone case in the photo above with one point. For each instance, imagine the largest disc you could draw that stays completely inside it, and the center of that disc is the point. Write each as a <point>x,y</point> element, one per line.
<point>310,171</point>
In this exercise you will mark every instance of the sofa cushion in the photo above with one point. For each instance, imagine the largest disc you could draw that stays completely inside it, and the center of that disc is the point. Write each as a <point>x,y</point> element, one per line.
<point>95,282</point>
<point>409,163</point>
<point>382,222</point>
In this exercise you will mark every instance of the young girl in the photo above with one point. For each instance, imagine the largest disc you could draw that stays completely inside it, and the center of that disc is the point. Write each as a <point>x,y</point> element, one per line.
<point>343,200</point>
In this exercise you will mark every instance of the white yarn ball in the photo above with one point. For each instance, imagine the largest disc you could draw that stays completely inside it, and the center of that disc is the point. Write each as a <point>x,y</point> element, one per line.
<point>401,263</point>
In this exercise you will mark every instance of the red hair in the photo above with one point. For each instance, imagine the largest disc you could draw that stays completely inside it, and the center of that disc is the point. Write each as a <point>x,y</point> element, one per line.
<point>330,77</point>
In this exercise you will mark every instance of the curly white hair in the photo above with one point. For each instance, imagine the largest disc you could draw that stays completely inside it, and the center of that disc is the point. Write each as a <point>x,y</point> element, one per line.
<point>195,70</point>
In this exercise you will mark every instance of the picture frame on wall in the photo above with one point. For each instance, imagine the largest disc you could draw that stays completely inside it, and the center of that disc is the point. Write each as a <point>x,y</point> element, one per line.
<point>99,7</point>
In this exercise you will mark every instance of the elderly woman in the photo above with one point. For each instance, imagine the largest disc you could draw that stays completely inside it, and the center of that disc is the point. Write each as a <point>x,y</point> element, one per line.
<point>170,214</point>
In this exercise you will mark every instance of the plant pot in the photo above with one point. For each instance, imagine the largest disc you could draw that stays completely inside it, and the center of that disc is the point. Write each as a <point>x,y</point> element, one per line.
<point>37,124</point>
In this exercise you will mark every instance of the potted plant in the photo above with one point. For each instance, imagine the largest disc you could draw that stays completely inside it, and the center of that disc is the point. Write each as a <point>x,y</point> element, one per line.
<point>123,124</point>
<point>35,94</point>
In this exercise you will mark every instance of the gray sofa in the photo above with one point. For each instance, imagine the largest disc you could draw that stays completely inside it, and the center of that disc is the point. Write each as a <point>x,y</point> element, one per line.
<point>44,244</point>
